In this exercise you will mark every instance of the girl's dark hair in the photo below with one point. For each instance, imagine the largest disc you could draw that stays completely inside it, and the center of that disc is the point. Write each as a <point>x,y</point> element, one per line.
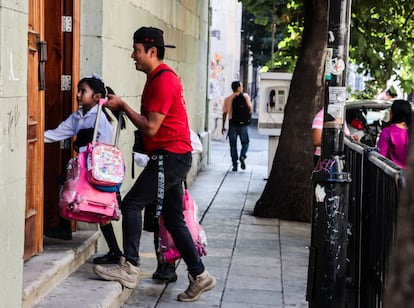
<point>97,85</point>
<point>401,111</point>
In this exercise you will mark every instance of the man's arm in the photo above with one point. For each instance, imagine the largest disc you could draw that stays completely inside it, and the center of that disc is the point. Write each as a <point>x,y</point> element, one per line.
<point>225,110</point>
<point>148,125</point>
<point>224,122</point>
<point>248,102</point>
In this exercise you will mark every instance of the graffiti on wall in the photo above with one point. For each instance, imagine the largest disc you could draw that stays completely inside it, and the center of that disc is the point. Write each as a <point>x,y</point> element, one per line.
<point>216,95</point>
<point>12,122</point>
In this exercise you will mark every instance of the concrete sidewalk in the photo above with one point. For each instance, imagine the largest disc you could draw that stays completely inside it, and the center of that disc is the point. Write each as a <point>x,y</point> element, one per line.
<point>257,262</point>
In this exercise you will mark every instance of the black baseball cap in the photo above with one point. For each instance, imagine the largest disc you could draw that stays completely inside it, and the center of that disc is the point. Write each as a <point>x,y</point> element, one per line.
<point>150,36</point>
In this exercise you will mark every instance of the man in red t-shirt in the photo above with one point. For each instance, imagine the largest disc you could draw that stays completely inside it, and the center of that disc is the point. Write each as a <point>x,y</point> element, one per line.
<point>166,134</point>
<point>164,95</point>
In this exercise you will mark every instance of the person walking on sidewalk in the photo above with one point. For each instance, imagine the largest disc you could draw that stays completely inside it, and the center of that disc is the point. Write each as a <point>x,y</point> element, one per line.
<point>163,122</point>
<point>238,108</point>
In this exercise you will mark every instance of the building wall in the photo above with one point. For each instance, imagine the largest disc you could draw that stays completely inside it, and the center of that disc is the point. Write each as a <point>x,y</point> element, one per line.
<point>106,42</point>
<point>106,46</point>
<point>224,58</point>
<point>13,119</point>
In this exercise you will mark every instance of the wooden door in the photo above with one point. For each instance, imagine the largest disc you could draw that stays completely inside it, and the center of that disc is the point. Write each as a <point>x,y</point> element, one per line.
<point>34,161</point>
<point>61,28</point>
<point>53,104</point>
<point>62,70</point>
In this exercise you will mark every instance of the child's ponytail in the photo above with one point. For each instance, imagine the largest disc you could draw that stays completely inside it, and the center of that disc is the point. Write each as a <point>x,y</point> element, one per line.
<point>115,113</point>
<point>96,83</point>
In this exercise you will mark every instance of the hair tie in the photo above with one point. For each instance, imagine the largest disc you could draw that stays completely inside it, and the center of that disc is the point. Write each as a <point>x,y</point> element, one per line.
<point>94,76</point>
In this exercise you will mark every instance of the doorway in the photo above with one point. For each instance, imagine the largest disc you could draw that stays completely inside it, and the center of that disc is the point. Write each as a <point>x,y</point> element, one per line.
<point>53,76</point>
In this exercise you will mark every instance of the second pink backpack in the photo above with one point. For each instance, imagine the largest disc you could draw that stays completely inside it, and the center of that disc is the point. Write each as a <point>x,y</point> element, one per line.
<point>167,249</point>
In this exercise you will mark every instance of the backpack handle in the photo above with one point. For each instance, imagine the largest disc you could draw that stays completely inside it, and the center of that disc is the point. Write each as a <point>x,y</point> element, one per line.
<point>101,102</point>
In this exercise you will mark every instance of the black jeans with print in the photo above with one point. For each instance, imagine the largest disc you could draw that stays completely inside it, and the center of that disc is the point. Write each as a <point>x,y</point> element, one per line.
<point>144,191</point>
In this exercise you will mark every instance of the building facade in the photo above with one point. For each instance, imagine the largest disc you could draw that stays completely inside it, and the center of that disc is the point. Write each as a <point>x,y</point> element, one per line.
<point>46,46</point>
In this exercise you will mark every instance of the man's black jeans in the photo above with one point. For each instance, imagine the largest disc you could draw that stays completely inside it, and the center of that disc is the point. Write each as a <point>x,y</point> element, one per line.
<point>144,191</point>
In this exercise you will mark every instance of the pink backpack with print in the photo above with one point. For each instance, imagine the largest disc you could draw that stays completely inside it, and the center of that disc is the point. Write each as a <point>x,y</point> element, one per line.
<point>106,166</point>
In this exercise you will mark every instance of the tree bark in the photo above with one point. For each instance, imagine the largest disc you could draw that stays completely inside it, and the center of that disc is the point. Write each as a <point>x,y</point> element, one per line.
<point>399,291</point>
<point>288,192</point>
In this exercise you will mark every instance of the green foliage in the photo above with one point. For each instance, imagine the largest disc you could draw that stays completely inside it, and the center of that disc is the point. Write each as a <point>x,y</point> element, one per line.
<point>258,39</point>
<point>259,19</point>
<point>382,41</point>
<point>381,38</point>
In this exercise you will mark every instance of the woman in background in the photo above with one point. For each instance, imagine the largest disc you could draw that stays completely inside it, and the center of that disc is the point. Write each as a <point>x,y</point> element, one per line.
<point>393,140</point>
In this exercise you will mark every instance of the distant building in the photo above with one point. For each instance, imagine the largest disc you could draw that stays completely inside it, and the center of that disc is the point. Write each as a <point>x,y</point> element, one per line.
<point>224,58</point>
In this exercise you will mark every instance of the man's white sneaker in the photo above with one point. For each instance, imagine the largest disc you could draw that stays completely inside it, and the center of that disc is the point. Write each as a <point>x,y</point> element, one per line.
<point>124,272</point>
<point>198,286</point>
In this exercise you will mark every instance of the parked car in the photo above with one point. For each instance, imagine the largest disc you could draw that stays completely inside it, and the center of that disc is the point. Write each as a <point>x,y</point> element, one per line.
<point>366,118</point>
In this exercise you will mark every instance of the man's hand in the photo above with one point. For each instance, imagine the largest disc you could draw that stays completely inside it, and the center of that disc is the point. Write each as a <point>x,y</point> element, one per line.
<point>114,103</point>
<point>223,130</point>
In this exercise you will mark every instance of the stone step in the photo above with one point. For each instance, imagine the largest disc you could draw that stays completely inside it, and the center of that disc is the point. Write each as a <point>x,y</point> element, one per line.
<point>48,270</point>
<point>84,289</point>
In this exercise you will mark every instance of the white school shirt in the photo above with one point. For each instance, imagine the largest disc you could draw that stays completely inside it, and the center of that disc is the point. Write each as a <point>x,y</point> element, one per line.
<point>77,121</point>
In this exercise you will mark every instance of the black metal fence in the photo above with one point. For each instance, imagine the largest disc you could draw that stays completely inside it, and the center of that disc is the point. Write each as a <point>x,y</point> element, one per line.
<point>373,203</point>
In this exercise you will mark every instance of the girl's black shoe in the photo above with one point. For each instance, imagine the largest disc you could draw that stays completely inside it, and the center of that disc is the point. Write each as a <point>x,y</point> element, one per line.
<point>59,233</point>
<point>63,231</point>
<point>165,272</point>
<point>109,258</point>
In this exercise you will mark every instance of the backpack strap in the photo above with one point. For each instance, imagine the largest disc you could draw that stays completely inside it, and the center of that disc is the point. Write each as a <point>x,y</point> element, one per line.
<point>152,79</point>
<point>142,98</point>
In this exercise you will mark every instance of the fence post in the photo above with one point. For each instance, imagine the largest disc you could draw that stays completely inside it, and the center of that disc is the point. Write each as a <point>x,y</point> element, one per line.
<point>328,251</point>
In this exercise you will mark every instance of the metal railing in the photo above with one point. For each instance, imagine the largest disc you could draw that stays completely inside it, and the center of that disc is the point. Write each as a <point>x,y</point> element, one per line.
<point>373,204</point>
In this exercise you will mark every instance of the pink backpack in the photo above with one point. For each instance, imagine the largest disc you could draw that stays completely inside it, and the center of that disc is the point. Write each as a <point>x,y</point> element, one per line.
<point>168,252</point>
<point>106,167</point>
<point>92,181</point>
<point>81,201</point>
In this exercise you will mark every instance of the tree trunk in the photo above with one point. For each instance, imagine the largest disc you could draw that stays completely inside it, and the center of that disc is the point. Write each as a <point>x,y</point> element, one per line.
<point>288,191</point>
<point>399,291</point>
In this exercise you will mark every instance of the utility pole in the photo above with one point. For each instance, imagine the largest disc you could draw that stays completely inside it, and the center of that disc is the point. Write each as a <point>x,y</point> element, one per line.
<point>272,59</point>
<point>328,251</point>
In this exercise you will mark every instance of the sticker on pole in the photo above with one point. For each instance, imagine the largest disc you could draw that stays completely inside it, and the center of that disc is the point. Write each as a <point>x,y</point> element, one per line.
<point>336,107</point>
<point>320,193</point>
<point>337,66</point>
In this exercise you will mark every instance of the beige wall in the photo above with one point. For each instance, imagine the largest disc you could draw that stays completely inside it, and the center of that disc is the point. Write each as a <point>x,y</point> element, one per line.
<point>106,40</point>
<point>13,115</point>
<point>106,45</point>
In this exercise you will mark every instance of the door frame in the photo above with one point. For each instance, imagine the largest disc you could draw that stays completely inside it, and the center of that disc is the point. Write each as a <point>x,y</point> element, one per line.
<point>34,143</point>
<point>35,119</point>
